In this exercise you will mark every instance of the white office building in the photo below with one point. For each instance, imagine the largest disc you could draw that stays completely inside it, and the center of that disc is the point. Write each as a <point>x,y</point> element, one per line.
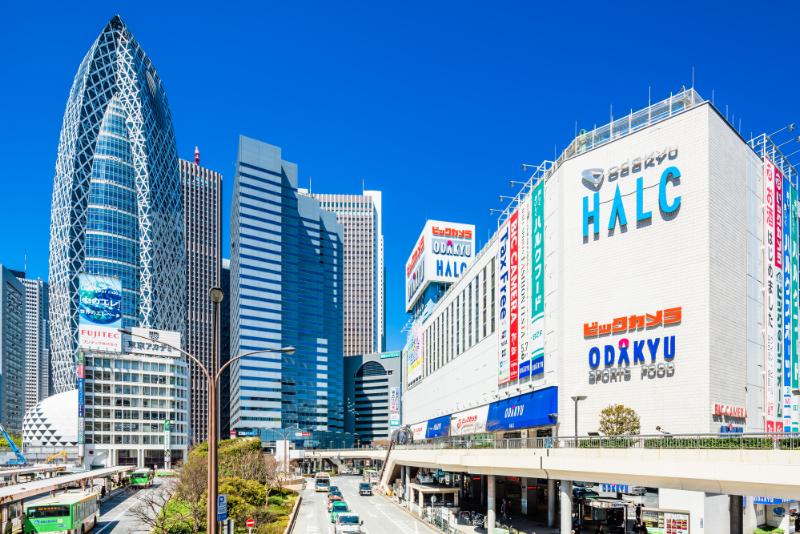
<point>135,409</point>
<point>652,265</point>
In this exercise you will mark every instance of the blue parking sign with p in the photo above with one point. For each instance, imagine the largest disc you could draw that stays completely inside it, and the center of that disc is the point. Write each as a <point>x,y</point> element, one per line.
<point>222,507</point>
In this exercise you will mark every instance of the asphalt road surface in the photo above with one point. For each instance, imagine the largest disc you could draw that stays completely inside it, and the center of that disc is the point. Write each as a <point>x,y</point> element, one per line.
<point>379,515</point>
<point>115,516</point>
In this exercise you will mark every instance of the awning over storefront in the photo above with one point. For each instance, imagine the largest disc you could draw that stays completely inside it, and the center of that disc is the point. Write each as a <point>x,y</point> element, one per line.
<point>529,410</point>
<point>607,503</point>
<point>438,428</point>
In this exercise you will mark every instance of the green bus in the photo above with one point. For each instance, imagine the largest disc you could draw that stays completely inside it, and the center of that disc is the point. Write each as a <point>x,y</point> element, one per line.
<point>73,511</point>
<point>142,477</point>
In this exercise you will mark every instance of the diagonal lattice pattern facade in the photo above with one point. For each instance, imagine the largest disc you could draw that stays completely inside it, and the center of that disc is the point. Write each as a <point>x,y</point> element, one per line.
<point>117,200</point>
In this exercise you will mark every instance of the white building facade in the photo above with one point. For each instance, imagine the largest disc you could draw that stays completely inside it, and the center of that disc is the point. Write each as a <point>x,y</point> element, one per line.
<point>632,272</point>
<point>135,408</point>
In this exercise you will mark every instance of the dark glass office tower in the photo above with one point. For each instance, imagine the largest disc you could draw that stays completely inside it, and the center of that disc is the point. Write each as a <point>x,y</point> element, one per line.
<point>286,289</point>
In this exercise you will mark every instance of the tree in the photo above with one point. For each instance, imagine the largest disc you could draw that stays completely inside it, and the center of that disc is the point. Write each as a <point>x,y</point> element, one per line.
<point>192,491</point>
<point>150,507</point>
<point>617,420</point>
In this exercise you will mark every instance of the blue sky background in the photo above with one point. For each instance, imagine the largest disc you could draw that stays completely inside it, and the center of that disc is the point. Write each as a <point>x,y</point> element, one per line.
<point>437,104</point>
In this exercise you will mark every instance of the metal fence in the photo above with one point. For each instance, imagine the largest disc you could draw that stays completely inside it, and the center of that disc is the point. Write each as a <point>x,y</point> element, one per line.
<point>746,441</point>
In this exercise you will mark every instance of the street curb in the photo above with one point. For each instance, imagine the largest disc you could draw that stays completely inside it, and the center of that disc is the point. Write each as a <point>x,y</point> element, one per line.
<point>293,515</point>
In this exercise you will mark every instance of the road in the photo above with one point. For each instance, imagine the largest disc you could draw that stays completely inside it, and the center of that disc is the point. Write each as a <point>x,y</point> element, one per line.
<point>115,516</point>
<point>379,515</point>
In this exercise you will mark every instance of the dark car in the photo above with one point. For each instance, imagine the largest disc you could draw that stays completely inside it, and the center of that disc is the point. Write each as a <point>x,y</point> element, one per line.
<point>364,489</point>
<point>333,488</point>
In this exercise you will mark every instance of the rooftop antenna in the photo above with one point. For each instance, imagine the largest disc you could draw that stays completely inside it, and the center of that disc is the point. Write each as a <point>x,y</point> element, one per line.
<point>309,185</point>
<point>26,263</point>
<point>196,156</point>
<point>692,77</point>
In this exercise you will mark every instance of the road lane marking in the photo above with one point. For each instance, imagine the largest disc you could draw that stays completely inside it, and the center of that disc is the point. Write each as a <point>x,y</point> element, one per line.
<point>121,514</point>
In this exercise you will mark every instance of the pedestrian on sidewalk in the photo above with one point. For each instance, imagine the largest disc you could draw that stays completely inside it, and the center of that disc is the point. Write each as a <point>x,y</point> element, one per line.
<point>504,510</point>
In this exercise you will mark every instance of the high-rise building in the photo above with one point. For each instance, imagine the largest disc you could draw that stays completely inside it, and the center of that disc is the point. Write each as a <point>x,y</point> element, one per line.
<point>286,290</point>
<point>12,347</point>
<point>37,340</point>
<point>202,209</point>
<point>225,351</point>
<point>372,395</point>
<point>364,273</point>
<point>117,203</point>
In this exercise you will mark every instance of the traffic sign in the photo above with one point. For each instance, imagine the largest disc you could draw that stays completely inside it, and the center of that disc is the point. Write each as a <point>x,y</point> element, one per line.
<point>222,507</point>
<point>251,523</point>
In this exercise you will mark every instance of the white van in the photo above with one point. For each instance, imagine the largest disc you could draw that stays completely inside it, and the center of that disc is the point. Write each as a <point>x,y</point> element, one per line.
<point>347,523</point>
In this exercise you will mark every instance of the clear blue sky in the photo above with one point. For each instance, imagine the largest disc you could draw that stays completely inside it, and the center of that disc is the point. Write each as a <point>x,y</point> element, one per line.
<point>436,104</point>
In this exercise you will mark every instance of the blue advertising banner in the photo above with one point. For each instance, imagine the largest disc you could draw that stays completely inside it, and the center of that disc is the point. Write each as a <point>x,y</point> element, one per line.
<point>99,313</point>
<point>438,428</point>
<point>531,409</point>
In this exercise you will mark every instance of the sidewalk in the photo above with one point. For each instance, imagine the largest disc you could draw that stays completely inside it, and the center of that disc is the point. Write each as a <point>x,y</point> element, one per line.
<point>520,525</point>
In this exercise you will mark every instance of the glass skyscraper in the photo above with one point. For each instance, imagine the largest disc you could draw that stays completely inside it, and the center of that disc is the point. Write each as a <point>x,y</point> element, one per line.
<point>117,200</point>
<point>286,289</point>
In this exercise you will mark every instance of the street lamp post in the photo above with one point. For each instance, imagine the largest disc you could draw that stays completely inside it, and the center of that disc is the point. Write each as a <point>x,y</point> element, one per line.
<point>216,295</point>
<point>285,444</point>
<point>576,399</point>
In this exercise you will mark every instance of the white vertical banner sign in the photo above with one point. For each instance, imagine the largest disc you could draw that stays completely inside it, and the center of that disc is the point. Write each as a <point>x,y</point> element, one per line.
<point>537,287</point>
<point>771,304</point>
<point>786,370</point>
<point>777,277</point>
<point>524,287</point>
<point>503,341</point>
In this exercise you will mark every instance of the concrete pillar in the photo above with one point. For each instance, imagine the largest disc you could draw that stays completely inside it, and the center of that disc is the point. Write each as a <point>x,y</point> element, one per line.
<point>407,483</point>
<point>483,490</point>
<point>403,481</point>
<point>551,503</point>
<point>736,514</point>
<point>490,515</point>
<point>566,506</point>
<point>455,499</point>
<point>524,495</point>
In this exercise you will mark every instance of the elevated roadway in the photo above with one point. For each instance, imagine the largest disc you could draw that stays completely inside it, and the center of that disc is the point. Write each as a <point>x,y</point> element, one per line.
<point>734,471</point>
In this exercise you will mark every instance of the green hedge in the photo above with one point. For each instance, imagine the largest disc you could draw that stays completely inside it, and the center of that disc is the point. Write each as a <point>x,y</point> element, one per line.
<point>756,443</point>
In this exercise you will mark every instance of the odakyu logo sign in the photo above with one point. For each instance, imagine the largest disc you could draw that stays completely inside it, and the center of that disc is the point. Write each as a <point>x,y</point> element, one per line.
<point>415,280</point>
<point>452,247</point>
<point>668,202</point>
<point>621,358</point>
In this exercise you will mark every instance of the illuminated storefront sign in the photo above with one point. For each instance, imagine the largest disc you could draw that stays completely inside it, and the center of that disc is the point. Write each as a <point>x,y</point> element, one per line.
<point>634,322</point>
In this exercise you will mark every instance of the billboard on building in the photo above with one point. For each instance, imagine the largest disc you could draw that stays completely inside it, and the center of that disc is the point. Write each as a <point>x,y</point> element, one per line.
<point>771,304</point>
<point>415,356</point>
<point>99,313</point>
<point>394,407</point>
<point>794,296</point>
<point>536,348</point>
<point>525,248</point>
<point>786,369</point>
<point>508,300</point>
<point>154,342</point>
<point>469,421</point>
<point>442,252</point>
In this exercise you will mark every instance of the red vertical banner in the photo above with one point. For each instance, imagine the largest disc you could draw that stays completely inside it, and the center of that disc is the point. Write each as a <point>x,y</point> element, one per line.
<point>513,295</point>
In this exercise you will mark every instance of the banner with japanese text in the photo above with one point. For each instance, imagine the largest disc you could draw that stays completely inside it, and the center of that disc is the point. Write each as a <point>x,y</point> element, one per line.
<point>524,287</point>
<point>537,271</point>
<point>770,304</point>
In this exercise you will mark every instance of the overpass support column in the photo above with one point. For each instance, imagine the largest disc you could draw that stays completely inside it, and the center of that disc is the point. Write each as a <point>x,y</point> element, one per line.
<point>490,515</point>
<point>566,506</point>
<point>403,481</point>
<point>737,514</point>
<point>406,484</point>
<point>551,503</point>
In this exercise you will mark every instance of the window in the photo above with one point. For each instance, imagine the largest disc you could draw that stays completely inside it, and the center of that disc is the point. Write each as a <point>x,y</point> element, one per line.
<point>469,329</point>
<point>458,330</point>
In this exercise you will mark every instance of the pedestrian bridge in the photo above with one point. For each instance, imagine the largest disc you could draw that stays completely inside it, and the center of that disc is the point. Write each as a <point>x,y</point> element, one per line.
<point>764,465</point>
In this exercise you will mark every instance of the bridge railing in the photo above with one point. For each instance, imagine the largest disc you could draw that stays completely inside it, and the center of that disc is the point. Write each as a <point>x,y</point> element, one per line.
<point>746,441</point>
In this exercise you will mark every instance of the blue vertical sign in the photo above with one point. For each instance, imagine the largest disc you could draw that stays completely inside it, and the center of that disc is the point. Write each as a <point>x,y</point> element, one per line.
<point>222,507</point>
<point>787,305</point>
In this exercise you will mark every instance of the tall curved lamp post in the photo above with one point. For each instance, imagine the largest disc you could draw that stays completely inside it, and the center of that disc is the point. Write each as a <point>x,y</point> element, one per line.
<point>216,295</point>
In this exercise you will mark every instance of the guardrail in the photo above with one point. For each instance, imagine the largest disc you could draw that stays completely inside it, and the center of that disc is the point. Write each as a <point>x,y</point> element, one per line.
<point>747,441</point>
